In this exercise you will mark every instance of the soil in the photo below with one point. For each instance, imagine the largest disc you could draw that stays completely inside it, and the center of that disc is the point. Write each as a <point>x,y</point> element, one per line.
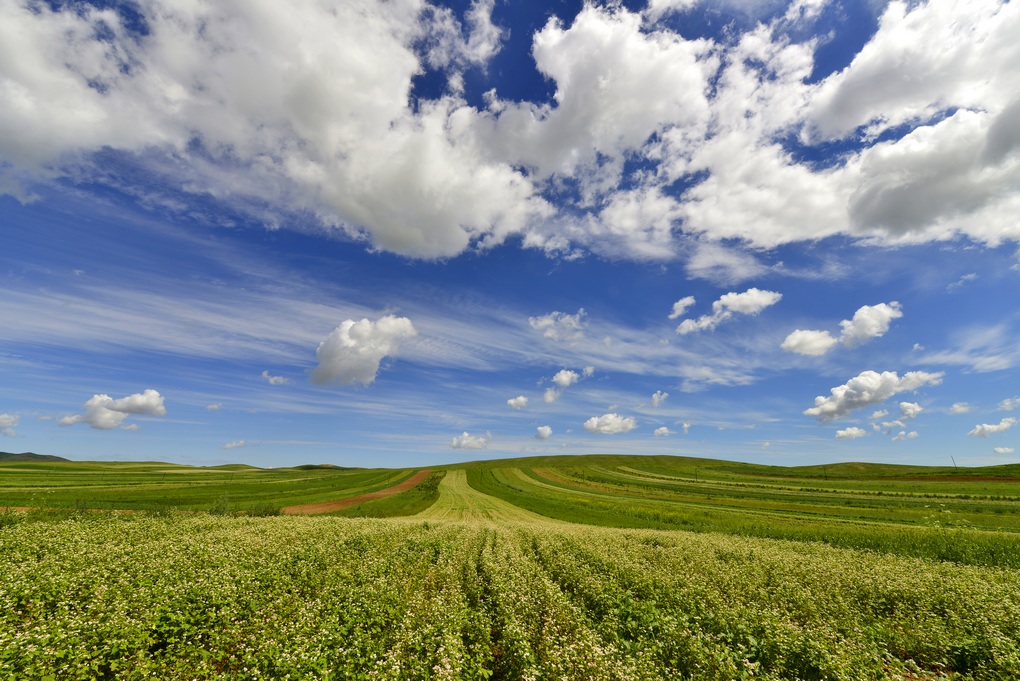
<point>337,504</point>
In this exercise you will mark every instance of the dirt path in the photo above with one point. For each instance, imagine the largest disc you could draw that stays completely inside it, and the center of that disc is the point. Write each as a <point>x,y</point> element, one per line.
<point>337,504</point>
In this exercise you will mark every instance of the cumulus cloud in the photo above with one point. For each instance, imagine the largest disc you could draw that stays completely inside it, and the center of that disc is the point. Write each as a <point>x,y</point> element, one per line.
<point>610,424</point>
<point>750,302</point>
<point>986,429</point>
<point>909,410</point>
<point>468,441</point>
<point>686,426</point>
<point>813,343</point>
<point>560,326</point>
<point>1009,404</point>
<point>275,380</point>
<point>662,431</point>
<point>551,395</point>
<point>353,351</point>
<point>870,321</point>
<point>105,413</point>
<point>658,397</point>
<point>1003,450</point>
<point>519,402</point>
<point>879,414</point>
<point>565,378</point>
<point>681,306</point>
<point>851,433</point>
<point>960,408</point>
<point>216,406</point>
<point>866,389</point>
<point>543,433</point>
<point>904,435</point>
<point>8,422</point>
<point>233,445</point>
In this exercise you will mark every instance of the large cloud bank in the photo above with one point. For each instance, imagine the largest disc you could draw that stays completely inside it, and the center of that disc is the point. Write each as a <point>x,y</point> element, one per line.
<point>320,120</point>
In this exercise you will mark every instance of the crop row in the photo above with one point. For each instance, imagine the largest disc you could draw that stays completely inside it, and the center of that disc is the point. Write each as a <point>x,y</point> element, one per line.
<point>334,598</point>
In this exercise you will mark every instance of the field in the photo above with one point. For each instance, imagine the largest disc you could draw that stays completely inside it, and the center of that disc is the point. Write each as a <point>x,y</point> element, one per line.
<point>547,568</point>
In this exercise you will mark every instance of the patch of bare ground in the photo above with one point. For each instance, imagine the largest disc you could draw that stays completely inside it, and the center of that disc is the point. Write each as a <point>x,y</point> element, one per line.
<point>337,504</point>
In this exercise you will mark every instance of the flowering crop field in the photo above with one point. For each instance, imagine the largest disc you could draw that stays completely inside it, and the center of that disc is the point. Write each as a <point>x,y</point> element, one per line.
<point>477,587</point>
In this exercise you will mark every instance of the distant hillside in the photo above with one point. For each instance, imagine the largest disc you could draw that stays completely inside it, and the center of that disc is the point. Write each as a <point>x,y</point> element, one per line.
<point>30,456</point>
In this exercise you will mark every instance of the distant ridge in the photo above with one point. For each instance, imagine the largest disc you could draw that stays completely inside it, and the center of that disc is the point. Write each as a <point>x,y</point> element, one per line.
<point>30,456</point>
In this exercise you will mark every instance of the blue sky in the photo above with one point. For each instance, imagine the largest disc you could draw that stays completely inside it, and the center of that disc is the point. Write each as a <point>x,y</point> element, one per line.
<point>401,234</point>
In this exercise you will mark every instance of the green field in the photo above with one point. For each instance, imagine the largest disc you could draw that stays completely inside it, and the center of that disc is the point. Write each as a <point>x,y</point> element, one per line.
<point>600,567</point>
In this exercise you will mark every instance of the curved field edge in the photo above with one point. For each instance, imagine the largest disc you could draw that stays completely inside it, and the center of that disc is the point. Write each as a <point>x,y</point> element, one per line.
<point>345,502</point>
<point>328,598</point>
<point>938,540</point>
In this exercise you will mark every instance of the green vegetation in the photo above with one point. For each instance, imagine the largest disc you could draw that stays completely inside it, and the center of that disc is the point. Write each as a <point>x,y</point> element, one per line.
<point>410,502</point>
<point>542,568</point>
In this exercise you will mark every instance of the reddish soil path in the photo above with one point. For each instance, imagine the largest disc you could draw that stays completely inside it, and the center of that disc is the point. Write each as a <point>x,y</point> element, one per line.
<point>337,504</point>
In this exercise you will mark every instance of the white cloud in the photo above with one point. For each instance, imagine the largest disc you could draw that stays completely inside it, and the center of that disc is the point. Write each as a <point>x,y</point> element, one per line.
<point>870,321</point>
<point>1009,404</point>
<point>353,351</point>
<point>588,371</point>
<point>543,433</point>
<point>518,402</point>
<point>105,413</point>
<point>610,424</point>
<point>216,406</point>
<point>880,414</point>
<point>551,395</point>
<point>961,281</point>
<point>851,433</point>
<point>234,445</point>
<point>960,408</point>
<point>681,306</point>
<point>909,410</point>
<point>812,343</point>
<point>766,444</point>
<point>904,435</point>
<point>750,302</point>
<point>866,389</point>
<point>686,426</point>
<point>560,326</point>
<point>658,397</point>
<point>8,422</point>
<point>275,380</point>
<point>663,431</point>
<point>566,378</point>
<point>986,429</point>
<point>468,441</point>
<point>1003,450</point>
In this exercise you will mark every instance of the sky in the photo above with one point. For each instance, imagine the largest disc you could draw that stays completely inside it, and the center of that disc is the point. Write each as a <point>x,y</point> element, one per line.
<point>404,234</point>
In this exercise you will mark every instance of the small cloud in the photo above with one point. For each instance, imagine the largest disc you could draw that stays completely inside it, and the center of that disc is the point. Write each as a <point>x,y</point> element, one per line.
<point>8,422</point>
<point>686,427</point>
<point>851,433</point>
<point>566,378</point>
<point>543,433</point>
<point>353,351</point>
<point>663,431</point>
<point>610,424</point>
<point>131,426</point>
<point>468,441</point>
<point>909,410</point>
<point>961,281</point>
<point>866,389</point>
<point>681,306</point>
<point>903,435</point>
<point>880,414</point>
<point>1004,450</point>
<point>234,445</point>
<point>275,380</point>
<point>750,302</point>
<point>102,412</point>
<point>588,372</point>
<point>659,397</point>
<point>870,321</point>
<point>214,407</point>
<point>766,444</point>
<point>1009,404</point>
<point>917,347</point>
<point>519,402</point>
<point>551,395</point>
<point>960,408</point>
<point>986,429</point>
<point>560,326</point>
